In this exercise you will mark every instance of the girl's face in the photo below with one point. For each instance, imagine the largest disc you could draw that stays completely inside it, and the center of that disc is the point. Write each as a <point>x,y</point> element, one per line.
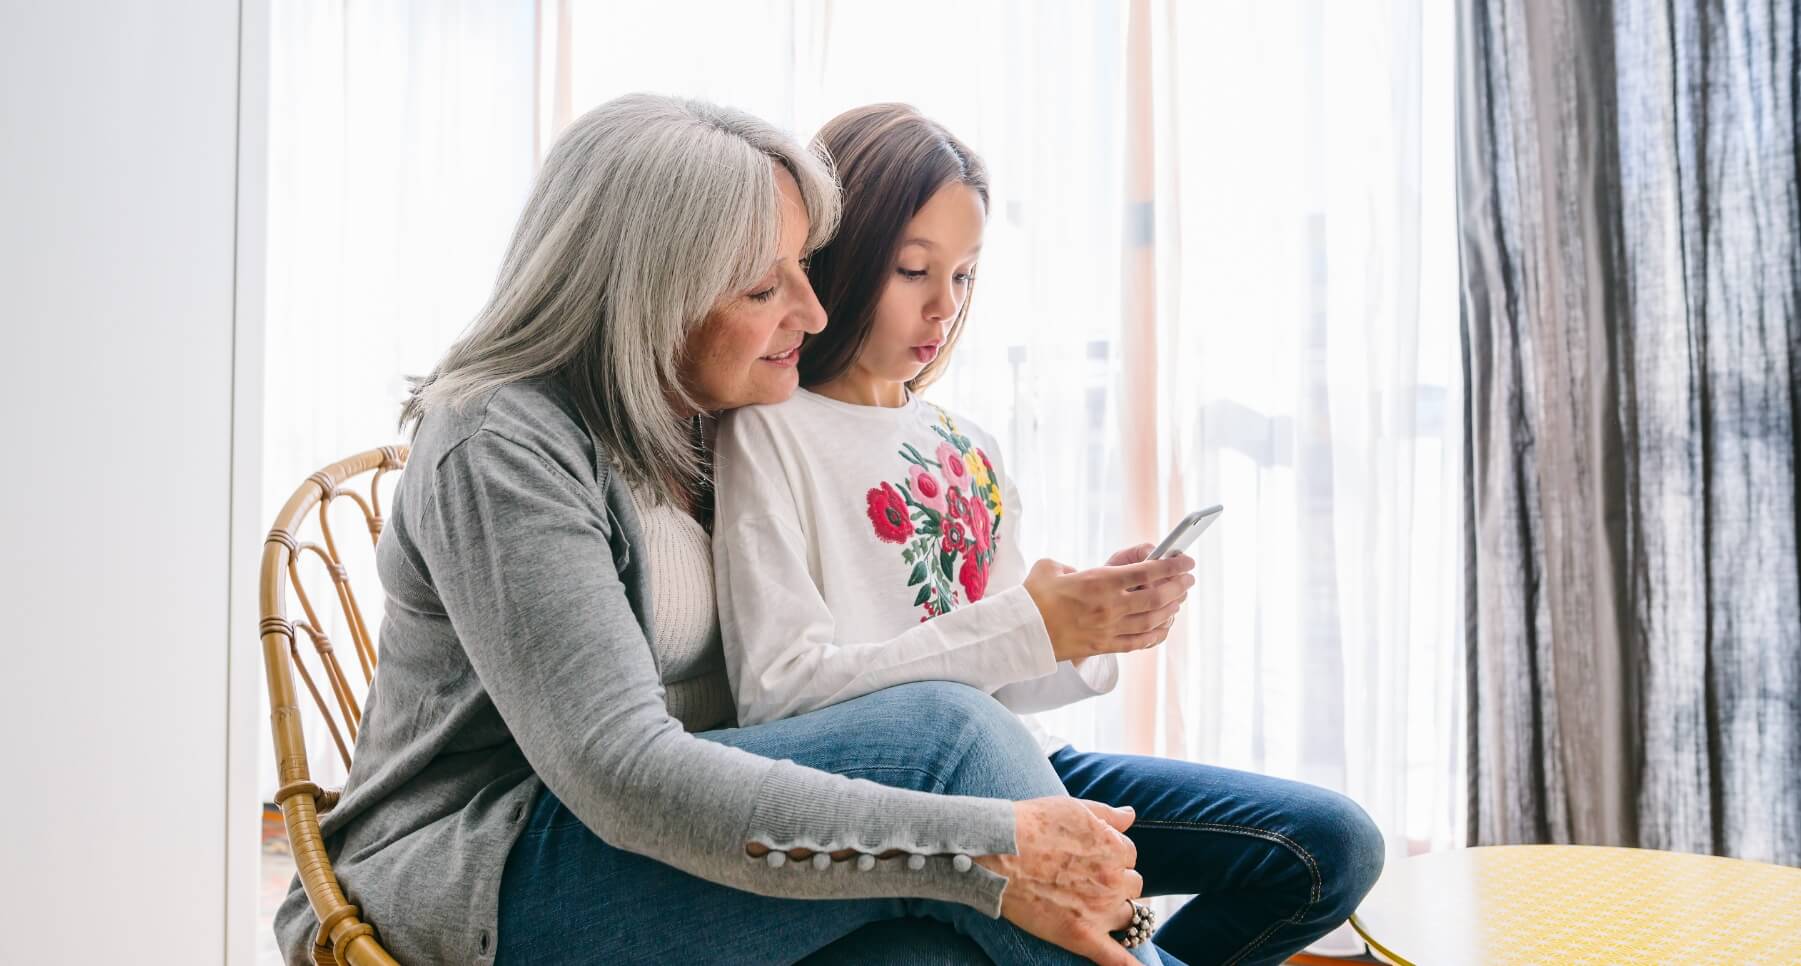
<point>927,285</point>
<point>746,351</point>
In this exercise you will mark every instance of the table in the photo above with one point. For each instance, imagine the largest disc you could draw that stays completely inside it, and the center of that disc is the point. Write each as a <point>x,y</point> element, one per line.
<point>1572,904</point>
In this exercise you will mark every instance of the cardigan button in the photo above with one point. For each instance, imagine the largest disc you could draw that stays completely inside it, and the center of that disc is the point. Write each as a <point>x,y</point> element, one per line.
<point>776,859</point>
<point>916,862</point>
<point>821,861</point>
<point>962,862</point>
<point>865,862</point>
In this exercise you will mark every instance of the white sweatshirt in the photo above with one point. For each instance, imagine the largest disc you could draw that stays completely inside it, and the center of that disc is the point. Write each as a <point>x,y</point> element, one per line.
<point>859,547</point>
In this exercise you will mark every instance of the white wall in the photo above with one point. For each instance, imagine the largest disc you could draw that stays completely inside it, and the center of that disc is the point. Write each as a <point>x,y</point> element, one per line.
<point>119,139</point>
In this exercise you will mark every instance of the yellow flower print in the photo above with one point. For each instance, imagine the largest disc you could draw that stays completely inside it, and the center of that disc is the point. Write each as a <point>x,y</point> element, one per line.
<point>977,471</point>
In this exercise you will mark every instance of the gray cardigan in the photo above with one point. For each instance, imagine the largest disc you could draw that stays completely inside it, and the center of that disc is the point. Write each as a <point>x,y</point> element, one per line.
<point>515,655</point>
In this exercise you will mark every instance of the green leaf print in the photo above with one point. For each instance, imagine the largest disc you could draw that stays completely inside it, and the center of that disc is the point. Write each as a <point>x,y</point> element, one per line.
<point>925,593</point>
<point>913,456</point>
<point>918,575</point>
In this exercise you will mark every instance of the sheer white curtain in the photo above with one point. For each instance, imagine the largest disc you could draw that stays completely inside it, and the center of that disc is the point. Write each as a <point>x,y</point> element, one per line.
<point>1305,376</point>
<point>1218,269</point>
<point>400,151</point>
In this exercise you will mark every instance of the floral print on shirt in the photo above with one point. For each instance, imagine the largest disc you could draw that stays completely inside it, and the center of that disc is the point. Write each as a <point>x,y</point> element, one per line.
<point>945,515</point>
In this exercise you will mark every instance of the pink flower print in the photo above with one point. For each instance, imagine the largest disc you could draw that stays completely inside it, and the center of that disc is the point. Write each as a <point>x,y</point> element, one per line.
<point>927,491</point>
<point>950,462</point>
<point>974,578</point>
<point>982,525</point>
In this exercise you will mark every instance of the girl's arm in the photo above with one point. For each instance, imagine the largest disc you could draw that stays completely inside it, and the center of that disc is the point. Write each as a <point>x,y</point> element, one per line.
<point>1071,682</point>
<point>782,646</point>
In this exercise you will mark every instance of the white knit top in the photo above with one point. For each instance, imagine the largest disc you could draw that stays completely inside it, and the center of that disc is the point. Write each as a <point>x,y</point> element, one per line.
<point>684,620</point>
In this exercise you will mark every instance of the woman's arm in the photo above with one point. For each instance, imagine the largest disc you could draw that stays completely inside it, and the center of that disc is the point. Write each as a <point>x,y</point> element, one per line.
<point>782,646</point>
<point>518,552</point>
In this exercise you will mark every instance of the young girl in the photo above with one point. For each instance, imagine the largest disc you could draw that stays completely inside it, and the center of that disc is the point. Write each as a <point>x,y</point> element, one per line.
<point>866,538</point>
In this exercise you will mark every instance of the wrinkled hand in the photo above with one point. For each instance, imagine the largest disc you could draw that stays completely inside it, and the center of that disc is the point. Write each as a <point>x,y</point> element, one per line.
<point>1073,879</point>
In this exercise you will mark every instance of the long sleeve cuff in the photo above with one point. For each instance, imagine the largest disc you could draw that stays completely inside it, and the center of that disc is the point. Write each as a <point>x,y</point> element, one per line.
<point>931,831</point>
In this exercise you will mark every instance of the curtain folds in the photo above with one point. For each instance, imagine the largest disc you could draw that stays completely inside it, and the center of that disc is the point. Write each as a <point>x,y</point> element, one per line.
<point>1628,213</point>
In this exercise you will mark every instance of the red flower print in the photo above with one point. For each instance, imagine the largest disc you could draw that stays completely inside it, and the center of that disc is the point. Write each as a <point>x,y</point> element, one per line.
<point>927,491</point>
<point>950,462</point>
<point>974,578</point>
<point>956,534</point>
<point>889,514</point>
<point>956,506</point>
<point>981,524</point>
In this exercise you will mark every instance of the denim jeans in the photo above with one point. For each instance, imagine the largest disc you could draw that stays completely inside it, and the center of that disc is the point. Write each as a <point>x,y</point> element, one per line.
<point>1272,864</point>
<point>566,897</point>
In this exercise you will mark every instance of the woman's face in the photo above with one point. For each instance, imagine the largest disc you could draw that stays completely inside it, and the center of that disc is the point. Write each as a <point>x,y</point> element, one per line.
<point>745,351</point>
<point>927,286</point>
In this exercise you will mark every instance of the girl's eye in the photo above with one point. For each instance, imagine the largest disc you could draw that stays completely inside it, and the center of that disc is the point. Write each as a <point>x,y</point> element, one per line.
<point>964,278</point>
<point>909,273</point>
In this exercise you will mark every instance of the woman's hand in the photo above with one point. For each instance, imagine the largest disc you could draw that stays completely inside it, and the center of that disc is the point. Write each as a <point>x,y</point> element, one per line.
<point>1073,879</point>
<point>1127,605</point>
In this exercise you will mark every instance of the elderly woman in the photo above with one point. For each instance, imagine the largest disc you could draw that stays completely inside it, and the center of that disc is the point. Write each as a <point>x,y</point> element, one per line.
<point>546,771</point>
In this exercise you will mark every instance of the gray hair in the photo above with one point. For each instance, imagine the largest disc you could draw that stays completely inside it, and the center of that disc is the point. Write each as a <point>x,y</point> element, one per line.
<point>647,212</point>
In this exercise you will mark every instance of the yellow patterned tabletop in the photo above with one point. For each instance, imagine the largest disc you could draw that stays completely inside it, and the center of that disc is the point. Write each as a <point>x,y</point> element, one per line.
<point>1572,904</point>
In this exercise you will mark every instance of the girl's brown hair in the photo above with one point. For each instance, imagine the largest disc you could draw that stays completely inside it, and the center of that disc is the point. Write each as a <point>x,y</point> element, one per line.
<point>890,161</point>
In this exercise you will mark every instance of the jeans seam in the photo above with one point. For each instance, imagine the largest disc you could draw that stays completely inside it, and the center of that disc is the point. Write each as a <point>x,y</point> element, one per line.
<point>1267,835</point>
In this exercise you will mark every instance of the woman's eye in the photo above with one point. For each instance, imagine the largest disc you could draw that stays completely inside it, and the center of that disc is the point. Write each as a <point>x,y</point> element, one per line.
<point>806,264</point>
<point>763,295</point>
<point>909,273</point>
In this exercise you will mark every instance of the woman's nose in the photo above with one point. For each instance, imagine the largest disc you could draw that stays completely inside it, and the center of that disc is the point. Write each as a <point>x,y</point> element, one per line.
<point>808,315</point>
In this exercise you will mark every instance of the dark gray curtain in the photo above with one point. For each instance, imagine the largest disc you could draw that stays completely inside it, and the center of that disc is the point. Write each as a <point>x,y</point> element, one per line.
<point>1631,267</point>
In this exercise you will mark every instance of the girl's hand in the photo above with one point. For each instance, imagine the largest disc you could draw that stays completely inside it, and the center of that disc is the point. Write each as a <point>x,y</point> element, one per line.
<point>1127,605</point>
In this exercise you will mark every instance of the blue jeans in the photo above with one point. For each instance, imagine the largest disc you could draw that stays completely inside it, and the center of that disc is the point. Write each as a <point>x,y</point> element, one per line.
<point>1272,864</point>
<point>566,897</point>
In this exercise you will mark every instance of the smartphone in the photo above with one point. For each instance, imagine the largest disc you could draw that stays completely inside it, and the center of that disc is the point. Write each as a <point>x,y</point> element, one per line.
<point>1185,532</point>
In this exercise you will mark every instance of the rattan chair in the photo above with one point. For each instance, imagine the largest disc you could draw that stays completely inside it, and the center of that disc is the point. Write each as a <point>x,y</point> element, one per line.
<point>343,938</point>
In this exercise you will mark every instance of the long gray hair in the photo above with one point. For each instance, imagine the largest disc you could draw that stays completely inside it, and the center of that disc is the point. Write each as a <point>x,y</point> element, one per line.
<point>647,212</point>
